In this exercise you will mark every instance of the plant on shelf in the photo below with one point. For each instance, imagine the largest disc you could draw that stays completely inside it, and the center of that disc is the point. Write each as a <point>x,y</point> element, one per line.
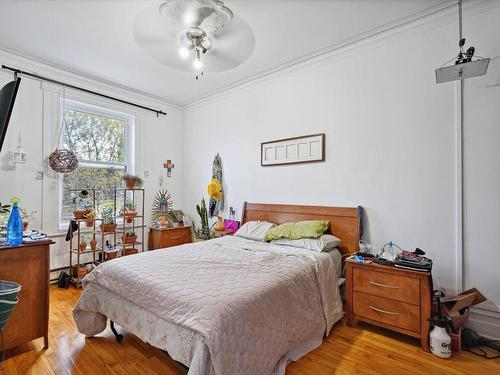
<point>78,213</point>
<point>27,217</point>
<point>93,242</point>
<point>204,232</point>
<point>132,181</point>
<point>84,239</point>
<point>90,215</point>
<point>129,212</point>
<point>129,238</point>
<point>107,210</point>
<point>4,217</point>
<point>130,251</point>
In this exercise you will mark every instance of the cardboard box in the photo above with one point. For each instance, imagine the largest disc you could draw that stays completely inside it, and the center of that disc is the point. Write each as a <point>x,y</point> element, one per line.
<point>457,308</point>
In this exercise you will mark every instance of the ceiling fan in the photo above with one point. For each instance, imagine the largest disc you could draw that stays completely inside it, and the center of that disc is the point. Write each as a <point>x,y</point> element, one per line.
<point>192,35</point>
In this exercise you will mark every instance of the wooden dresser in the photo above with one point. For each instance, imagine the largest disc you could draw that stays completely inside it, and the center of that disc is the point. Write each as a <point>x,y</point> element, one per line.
<point>389,297</point>
<point>160,238</point>
<point>28,265</point>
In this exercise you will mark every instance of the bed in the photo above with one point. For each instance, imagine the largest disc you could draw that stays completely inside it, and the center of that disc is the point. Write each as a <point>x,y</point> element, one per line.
<point>228,305</point>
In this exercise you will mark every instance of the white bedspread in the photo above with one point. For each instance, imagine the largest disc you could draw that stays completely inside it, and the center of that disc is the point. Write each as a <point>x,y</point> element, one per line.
<point>251,303</point>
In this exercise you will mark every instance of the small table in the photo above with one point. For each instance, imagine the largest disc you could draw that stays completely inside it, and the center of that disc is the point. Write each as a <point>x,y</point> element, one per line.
<point>389,297</point>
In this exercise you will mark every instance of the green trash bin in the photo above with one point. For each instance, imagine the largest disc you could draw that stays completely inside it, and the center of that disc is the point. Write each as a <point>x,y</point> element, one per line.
<point>8,301</point>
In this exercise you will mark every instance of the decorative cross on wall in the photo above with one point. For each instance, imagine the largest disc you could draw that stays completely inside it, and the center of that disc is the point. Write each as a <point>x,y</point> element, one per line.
<point>169,166</point>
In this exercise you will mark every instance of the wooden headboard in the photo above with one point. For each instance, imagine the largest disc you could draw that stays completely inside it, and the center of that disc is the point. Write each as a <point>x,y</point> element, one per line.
<point>344,221</point>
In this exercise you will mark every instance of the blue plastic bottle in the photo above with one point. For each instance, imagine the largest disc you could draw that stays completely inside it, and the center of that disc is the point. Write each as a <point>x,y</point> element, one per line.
<point>15,225</point>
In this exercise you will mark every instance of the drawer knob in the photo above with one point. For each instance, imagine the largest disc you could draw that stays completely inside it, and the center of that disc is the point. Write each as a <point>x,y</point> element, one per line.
<point>384,311</point>
<point>383,285</point>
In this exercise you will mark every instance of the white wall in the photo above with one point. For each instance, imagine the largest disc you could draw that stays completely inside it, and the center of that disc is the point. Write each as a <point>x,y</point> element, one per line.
<point>391,142</point>
<point>482,174</point>
<point>36,112</point>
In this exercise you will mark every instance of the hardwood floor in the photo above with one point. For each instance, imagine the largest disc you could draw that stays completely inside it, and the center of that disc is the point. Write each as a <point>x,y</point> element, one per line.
<point>359,350</point>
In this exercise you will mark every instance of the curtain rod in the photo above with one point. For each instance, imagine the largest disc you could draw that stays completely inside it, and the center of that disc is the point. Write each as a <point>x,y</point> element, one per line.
<point>46,79</point>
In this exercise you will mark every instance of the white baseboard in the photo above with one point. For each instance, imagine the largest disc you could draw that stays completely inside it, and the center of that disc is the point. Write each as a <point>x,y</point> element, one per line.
<point>485,322</point>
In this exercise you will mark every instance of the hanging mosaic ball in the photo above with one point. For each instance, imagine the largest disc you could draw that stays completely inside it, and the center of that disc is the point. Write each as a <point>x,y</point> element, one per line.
<point>63,161</point>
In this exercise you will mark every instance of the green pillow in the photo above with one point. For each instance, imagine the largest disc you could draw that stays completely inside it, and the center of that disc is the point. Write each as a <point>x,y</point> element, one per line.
<point>298,230</point>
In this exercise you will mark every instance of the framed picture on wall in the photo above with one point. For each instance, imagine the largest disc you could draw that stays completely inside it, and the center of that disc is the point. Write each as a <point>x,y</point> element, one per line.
<point>304,149</point>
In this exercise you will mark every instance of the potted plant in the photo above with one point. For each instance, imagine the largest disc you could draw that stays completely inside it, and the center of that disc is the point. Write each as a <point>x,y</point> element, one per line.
<point>204,233</point>
<point>81,272</point>
<point>129,251</point>
<point>90,215</point>
<point>4,217</point>
<point>129,238</point>
<point>83,242</point>
<point>93,242</point>
<point>111,254</point>
<point>132,181</point>
<point>27,217</point>
<point>107,209</point>
<point>129,212</point>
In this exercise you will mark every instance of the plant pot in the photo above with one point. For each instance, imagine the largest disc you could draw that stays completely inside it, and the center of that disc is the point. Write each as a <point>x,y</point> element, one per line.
<point>108,228</point>
<point>129,239</point>
<point>93,244</point>
<point>111,254</point>
<point>205,233</point>
<point>129,251</point>
<point>79,214</point>
<point>128,215</point>
<point>89,223</point>
<point>81,272</point>
<point>129,184</point>
<point>25,225</point>
<point>82,246</point>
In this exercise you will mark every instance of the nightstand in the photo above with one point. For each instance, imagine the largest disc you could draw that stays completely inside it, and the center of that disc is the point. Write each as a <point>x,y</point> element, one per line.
<point>388,297</point>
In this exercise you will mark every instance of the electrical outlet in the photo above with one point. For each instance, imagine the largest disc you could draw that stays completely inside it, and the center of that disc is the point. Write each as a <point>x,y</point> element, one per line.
<point>146,174</point>
<point>39,176</point>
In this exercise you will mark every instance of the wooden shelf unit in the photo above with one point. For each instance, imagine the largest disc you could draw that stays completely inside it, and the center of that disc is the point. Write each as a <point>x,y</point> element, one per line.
<point>136,196</point>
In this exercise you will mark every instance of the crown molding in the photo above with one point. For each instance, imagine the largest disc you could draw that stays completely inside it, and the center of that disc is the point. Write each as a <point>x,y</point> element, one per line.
<point>441,12</point>
<point>43,67</point>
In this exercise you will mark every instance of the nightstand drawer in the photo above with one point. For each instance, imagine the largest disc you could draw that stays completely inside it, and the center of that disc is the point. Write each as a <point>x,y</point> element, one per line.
<point>397,314</point>
<point>388,285</point>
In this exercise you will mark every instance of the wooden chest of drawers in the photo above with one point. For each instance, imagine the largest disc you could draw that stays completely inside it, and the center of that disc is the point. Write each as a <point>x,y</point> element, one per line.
<point>27,265</point>
<point>160,238</point>
<point>389,297</point>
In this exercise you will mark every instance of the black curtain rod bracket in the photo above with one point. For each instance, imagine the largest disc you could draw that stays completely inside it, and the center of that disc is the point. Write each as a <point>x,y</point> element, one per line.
<point>46,79</point>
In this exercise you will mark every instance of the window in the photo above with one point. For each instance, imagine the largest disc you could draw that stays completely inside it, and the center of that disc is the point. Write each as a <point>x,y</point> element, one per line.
<point>102,140</point>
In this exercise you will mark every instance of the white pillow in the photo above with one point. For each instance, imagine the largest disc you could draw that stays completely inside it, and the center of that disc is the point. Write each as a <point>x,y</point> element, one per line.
<point>254,230</point>
<point>326,242</point>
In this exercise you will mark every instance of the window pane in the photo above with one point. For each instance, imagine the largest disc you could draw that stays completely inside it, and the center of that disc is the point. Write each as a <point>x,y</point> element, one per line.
<point>93,137</point>
<point>102,179</point>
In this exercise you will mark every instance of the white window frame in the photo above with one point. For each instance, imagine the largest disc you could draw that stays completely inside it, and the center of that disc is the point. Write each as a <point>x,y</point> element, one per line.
<point>129,120</point>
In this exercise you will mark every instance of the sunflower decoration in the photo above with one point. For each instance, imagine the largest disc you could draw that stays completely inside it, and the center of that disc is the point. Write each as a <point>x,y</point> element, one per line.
<point>215,189</point>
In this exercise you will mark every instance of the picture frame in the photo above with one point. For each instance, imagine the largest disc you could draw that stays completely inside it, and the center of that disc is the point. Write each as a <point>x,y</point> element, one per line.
<point>294,150</point>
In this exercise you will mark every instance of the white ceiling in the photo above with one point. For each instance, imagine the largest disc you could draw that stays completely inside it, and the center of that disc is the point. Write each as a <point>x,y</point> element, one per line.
<point>96,37</point>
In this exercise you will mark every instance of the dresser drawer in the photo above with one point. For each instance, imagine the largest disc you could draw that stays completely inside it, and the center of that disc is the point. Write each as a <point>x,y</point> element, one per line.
<point>388,285</point>
<point>397,314</point>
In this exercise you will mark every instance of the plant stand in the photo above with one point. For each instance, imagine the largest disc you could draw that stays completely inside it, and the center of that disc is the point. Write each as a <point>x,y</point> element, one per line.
<point>135,196</point>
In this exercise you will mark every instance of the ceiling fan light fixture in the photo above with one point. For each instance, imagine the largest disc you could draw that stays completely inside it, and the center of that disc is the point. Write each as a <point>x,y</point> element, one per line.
<point>184,52</point>
<point>197,60</point>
